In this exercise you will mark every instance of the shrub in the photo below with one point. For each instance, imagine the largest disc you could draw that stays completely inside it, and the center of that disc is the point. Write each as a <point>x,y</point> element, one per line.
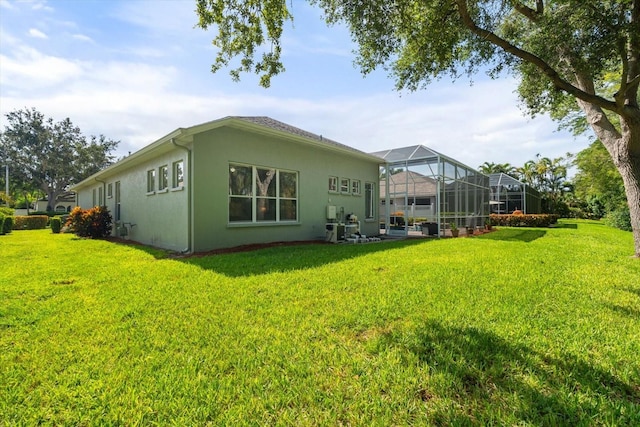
<point>94,222</point>
<point>522,220</point>
<point>6,211</point>
<point>56,224</point>
<point>7,226</point>
<point>1,223</point>
<point>619,219</point>
<point>30,222</point>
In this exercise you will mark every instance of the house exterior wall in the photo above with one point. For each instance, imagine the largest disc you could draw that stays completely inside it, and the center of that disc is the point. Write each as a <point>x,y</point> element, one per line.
<point>215,150</point>
<point>160,217</point>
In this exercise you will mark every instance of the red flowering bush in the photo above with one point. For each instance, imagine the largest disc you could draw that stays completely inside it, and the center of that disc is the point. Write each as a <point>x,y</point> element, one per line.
<point>94,222</point>
<point>522,220</point>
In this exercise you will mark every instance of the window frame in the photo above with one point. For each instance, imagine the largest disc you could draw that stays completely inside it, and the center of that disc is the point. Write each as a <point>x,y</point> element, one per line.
<point>151,181</point>
<point>356,187</point>
<point>275,201</point>
<point>163,178</point>
<point>345,185</point>
<point>109,190</point>
<point>333,184</point>
<point>369,201</point>
<point>175,184</point>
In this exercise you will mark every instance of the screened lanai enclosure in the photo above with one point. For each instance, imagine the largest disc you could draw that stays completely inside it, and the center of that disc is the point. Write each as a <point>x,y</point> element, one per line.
<point>508,194</point>
<point>423,190</point>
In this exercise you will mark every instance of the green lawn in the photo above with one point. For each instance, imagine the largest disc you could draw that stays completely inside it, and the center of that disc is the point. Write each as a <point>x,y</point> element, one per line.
<point>517,327</point>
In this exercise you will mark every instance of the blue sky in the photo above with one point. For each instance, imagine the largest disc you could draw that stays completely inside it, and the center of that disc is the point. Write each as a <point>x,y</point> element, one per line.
<point>136,70</point>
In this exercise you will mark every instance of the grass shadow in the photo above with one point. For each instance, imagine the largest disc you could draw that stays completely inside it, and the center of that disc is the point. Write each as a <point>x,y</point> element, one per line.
<point>572,226</point>
<point>273,258</point>
<point>289,258</point>
<point>515,235</point>
<point>483,373</point>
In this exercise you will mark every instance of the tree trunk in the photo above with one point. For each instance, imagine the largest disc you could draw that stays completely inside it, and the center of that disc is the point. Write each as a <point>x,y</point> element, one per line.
<point>625,152</point>
<point>630,171</point>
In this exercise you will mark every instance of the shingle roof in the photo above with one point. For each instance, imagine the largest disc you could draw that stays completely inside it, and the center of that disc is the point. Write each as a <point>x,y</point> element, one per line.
<point>284,127</point>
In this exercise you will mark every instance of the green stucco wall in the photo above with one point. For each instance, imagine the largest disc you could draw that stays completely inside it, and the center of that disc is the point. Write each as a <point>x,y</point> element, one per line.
<point>214,150</point>
<point>160,218</point>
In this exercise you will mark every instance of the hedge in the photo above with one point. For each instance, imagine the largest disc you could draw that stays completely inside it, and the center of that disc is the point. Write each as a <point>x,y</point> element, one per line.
<point>529,220</point>
<point>30,222</point>
<point>1,223</point>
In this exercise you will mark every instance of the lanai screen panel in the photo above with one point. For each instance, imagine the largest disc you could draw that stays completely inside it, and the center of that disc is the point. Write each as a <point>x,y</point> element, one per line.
<point>508,194</point>
<point>427,186</point>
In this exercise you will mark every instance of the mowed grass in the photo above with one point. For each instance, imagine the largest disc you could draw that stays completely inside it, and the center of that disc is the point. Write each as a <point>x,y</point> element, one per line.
<point>517,327</point>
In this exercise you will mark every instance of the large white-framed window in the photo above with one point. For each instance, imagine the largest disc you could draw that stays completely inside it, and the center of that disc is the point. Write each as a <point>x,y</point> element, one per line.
<point>177,173</point>
<point>344,185</point>
<point>262,195</point>
<point>333,184</point>
<point>151,181</point>
<point>163,177</point>
<point>369,200</point>
<point>355,187</point>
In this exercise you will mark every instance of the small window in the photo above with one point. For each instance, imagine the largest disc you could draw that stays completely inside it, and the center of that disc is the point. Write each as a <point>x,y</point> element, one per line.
<point>151,181</point>
<point>163,176</point>
<point>93,197</point>
<point>333,184</point>
<point>109,190</point>
<point>355,187</point>
<point>344,185</point>
<point>178,174</point>
<point>100,202</point>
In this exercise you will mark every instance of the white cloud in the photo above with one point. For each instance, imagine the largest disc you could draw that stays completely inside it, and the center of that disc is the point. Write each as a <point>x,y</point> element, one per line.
<point>33,32</point>
<point>6,4</point>
<point>83,38</point>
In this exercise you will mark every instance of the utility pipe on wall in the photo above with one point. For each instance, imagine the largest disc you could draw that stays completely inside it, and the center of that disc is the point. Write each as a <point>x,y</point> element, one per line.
<point>189,189</point>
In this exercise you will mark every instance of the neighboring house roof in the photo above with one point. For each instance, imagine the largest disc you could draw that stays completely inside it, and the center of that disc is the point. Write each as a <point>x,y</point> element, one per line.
<point>257,124</point>
<point>415,183</point>
<point>66,197</point>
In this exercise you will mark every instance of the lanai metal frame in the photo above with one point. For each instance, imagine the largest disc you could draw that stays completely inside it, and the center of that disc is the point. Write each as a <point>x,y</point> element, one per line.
<point>461,193</point>
<point>509,194</point>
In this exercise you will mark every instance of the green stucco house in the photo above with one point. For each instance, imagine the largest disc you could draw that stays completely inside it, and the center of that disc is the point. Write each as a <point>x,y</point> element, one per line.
<point>235,181</point>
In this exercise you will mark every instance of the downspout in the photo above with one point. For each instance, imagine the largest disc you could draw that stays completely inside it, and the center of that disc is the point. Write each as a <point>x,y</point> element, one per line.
<point>188,249</point>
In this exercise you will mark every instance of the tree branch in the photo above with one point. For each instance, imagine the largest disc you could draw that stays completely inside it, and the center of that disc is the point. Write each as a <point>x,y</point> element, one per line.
<point>529,57</point>
<point>530,13</point>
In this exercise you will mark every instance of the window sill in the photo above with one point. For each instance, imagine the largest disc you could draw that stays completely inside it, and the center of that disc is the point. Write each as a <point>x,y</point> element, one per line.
<point>150,193</point>
<point>164,190</point>
<point>177,188</point>
<point>261,224</point>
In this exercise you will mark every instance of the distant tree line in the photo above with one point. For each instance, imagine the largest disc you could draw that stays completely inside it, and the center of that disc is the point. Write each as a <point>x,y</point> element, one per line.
<point>46,157</point>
